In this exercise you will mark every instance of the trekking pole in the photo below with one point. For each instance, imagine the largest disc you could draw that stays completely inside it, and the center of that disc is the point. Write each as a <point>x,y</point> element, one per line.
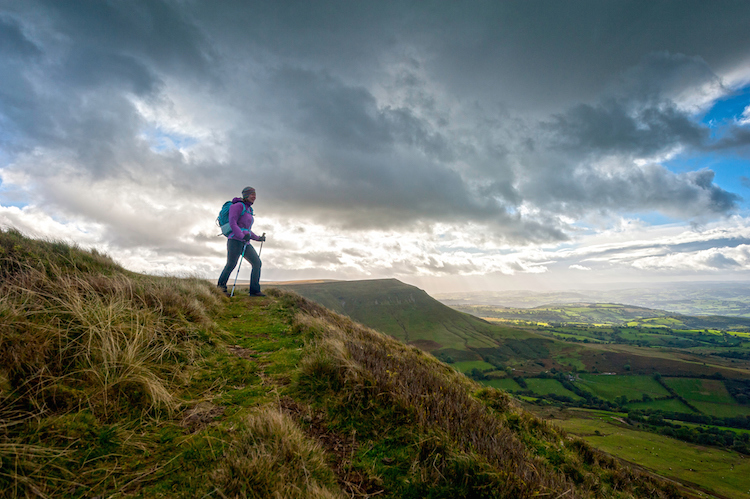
<point>261,245</point>
<point>242,257</point>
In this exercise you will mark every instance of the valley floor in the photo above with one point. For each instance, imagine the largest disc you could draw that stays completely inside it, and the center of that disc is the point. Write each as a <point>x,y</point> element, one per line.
<point>706,471</point>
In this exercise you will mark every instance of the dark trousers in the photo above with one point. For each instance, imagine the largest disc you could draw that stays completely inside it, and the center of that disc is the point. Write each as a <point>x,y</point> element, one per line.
<point>234,250</point>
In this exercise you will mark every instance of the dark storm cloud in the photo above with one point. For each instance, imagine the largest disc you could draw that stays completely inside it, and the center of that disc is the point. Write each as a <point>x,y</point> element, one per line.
<point>638,115</point>
<point>612,128</point>
<point>541,54</point>
<point>636,190</point>
<point>336,115</point>
<point>154,31</point>
<point>95,48</point>
<point>13,43</point>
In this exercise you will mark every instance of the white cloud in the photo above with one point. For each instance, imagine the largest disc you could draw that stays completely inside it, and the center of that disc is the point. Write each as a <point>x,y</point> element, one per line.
<point>579,267</point>
<point>745,119</point>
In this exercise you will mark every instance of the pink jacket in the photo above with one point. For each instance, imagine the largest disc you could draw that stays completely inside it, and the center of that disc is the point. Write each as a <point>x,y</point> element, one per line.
<point>241,223</point>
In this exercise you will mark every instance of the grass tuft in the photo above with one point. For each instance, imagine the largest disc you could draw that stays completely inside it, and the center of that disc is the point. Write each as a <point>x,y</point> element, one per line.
<point>272,457</point>
<point>79,334</point>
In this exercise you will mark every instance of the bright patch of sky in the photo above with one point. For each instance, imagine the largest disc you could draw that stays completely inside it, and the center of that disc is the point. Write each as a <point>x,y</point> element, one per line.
<point>729,169</point>
<point>162,141</point>
<point>728,109</point>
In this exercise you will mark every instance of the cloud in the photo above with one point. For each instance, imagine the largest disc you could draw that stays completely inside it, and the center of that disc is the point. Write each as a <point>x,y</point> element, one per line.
<point>579,267</point>
<point>497,124</point>
<point>14,44</point>
<point>612,128</point>
<point>707,260</point>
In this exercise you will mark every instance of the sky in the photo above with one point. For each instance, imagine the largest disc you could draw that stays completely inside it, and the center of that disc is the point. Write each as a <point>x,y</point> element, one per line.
<point>457,146</point>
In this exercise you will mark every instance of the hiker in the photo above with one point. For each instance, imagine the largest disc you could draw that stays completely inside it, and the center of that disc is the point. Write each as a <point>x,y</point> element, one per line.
<point>241,222</point>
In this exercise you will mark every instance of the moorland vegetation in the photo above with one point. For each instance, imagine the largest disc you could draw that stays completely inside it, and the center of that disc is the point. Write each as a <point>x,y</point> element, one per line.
<point>119,384</point>
<point>642,372</point>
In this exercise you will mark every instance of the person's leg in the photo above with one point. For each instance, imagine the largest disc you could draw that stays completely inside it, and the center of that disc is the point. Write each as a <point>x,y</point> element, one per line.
<point>252,256</point>
<point>234,250</point>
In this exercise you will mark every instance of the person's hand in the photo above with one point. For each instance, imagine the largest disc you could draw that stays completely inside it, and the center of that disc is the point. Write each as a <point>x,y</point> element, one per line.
<point>247,237</point>
<point>262,238</point>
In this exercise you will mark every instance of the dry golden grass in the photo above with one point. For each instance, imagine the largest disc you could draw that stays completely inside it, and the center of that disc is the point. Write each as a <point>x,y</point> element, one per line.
<point>272,457</point>
<point>79,332</point>
<point>112,334</point>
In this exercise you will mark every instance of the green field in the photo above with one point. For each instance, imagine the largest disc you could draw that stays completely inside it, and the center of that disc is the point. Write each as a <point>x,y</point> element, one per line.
<point>610,387</point>
<point>669,405</point>
<point>722,410</point>
<point>506,384</point>
<point>701,390</point>
<point>710,396</point>
<point>719,471</point>
<point>549,386</point>
<point>468,365</point>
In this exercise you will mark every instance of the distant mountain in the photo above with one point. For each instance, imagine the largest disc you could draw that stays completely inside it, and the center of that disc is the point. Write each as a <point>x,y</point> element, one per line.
<point>414,317</point>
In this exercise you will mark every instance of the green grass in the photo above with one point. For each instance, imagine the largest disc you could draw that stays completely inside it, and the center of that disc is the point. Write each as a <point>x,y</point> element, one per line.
<point>709,396</point>
<point>609,387</point>
<point>719,471</point>
<point>502,384</point>
<point>722,410</point>
<point>549,386</point>
<point>701,390</point>
<point>468,365</point>
<point>406,313</point>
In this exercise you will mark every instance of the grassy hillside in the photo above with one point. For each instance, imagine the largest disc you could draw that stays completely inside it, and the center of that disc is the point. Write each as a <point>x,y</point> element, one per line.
<point>404,312</point>
<point>116,384</point>
<point>409,314</point>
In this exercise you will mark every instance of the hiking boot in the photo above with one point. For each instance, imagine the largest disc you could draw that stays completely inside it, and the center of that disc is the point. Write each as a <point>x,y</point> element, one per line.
<point>257,294</point>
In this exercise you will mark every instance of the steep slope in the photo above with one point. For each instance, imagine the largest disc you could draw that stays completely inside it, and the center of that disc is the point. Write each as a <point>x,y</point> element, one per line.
<point>115,384</point>
<point>412,316</point>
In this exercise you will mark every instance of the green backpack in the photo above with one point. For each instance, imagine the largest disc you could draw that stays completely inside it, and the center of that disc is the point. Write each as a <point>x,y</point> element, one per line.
<point>223,219</point>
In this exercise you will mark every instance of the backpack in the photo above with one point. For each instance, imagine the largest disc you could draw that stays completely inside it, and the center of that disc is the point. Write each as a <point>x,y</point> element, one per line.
<point>223,219</point>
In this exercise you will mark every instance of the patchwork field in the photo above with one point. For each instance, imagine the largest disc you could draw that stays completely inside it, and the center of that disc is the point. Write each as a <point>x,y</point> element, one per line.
<point>709,396</point>
<point>610,387</point>
<point>718,471</point>
<point>700,390</point>
<point>549,386</point>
